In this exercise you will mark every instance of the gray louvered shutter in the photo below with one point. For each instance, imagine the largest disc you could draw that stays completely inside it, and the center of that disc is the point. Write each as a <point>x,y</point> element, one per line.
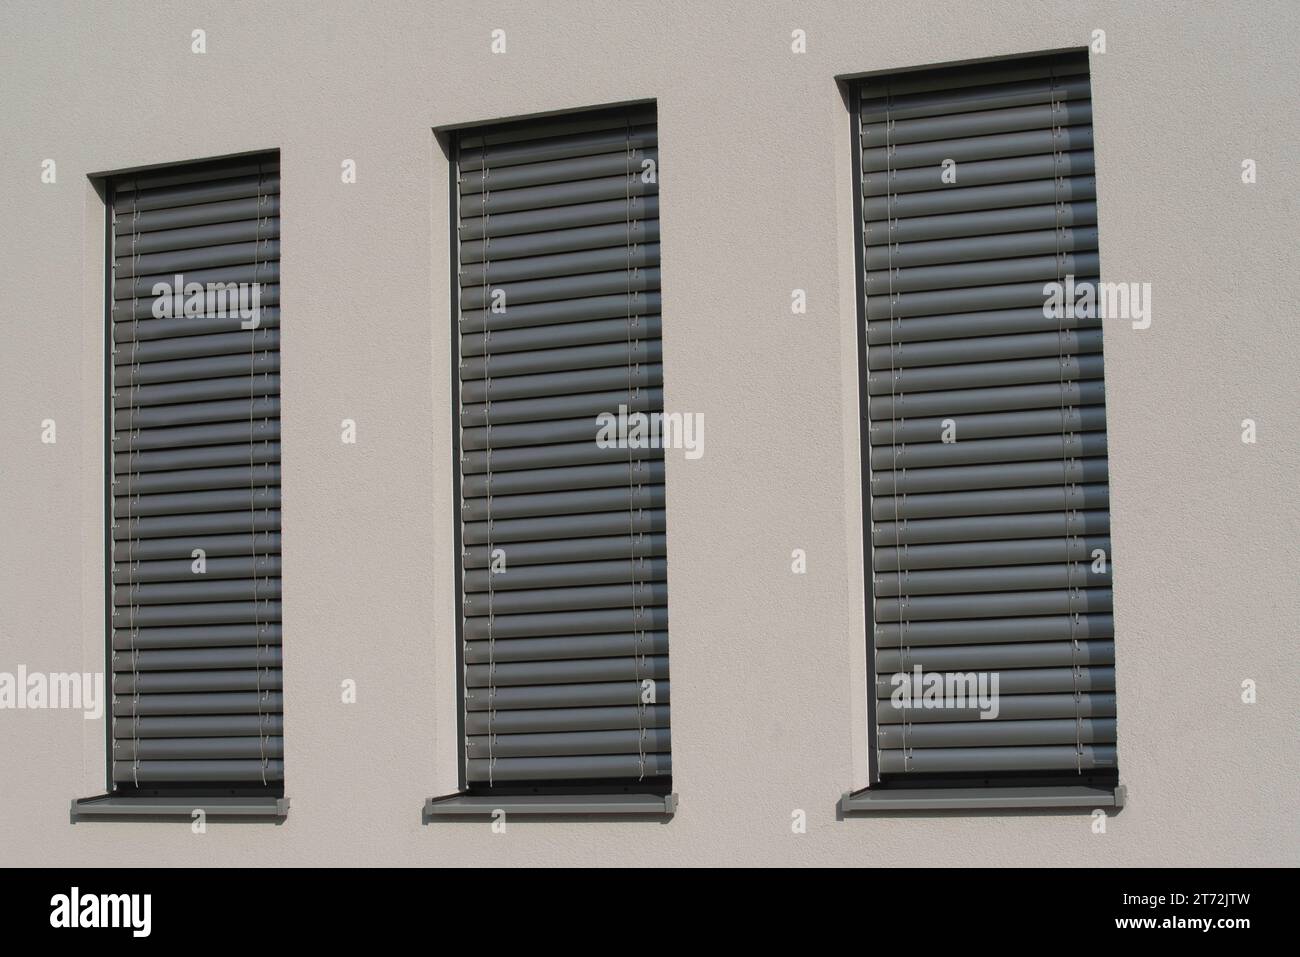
<point>195,454</point>
<point>982,549</point>
<point>565,645</point>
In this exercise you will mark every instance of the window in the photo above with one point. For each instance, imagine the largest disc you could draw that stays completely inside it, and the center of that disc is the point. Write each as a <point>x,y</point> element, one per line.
<point>984,441</point>
<point>562,552</point>
<point>193,492</point>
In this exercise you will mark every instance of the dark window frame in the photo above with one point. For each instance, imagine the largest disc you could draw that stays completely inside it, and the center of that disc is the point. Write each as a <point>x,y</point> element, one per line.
<point>577,799</point>
<point>159,801</point>
<point>928,792</point>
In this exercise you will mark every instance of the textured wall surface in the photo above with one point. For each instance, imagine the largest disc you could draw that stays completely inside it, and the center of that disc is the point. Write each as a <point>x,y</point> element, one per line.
<point>767,667</point>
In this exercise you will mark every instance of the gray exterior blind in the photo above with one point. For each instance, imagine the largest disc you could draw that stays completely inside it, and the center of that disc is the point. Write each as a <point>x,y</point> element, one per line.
<point>984,549</point>
<point>194,478</point>
<point>563,559</point>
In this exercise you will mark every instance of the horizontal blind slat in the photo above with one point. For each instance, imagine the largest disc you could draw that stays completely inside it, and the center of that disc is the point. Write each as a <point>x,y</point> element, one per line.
<point>198,771</point>
<point>937,760</point>
<point>1020,707</point>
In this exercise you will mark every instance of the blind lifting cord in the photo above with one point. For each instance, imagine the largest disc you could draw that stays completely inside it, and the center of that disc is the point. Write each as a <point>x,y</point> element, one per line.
<point>252,488</point>
<point>905,650</point>
<point>633,466</point>
<point>131,523</point>
<point>487,416</point>
<point>1067,412</point>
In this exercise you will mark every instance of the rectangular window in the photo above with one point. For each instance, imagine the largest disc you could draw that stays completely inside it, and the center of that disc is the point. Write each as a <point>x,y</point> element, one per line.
<point>562,564</point>
<point>193,491</point>
<point>984,440</point>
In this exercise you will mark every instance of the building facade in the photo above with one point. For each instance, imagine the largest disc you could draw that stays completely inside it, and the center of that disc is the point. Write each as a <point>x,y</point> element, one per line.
<point>758,315</point>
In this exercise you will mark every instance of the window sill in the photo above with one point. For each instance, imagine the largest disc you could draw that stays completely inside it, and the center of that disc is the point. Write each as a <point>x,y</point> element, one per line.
<point>109,807</point>
<point>1076,798</point>
<point>644,806</point>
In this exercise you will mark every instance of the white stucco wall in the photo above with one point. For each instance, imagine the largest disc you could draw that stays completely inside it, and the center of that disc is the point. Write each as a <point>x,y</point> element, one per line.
<point>767,667</point>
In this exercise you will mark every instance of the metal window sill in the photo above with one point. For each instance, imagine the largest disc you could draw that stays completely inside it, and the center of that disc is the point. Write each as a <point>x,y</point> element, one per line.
<point>1077,798</point>
<point>645,806</point>
<point>110,807</point>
